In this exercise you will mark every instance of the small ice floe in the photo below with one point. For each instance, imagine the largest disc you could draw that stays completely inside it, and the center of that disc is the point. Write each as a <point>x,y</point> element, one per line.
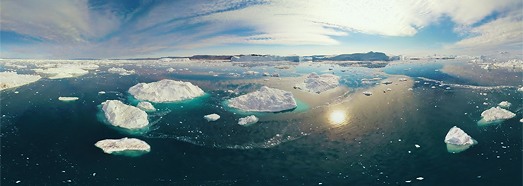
<point>389,89</point>
<point>410,89</point>
<point>386,82</point>
<point>266,74</point>
<point>101,92</point>
<point>121,71</point>
<point>521,120</point>
<point>12,79</point>
<point>448,88</point>
<point>165,91</point>
<point>212,117</point>
<point>417,146</point>
<point>495,115</point>
<point>146,106</point>
<point>367,93</point>
<point>264,100</point>
<point>426,83</point>
<point>433,87</point>
<point>485,103</point>
<point>68,98</point>
<point>248,120</point>
<point>124,146</point>
<point>250,72</point>
<point>504,104</point>
<point>520,89</point>
<point>458,141</point>
<point>403,79</point>
<point>408,181</point>
<point>125,116</point>
<point>171,69</point>
<point>18,181</point>
<point>420,178</point>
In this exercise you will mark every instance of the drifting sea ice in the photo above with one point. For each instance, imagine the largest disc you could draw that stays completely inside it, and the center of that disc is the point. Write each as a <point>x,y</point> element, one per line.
<point>264,100</point>
<point>68,98</point>
<point>124,146</point>
<point>12,79</point>
<point>66,71</point>
<point>458,141</point>
<point>212,117</point>
<point>249,120</point>
<point>165,91</point>
<point>319,83</point>
<point>495,115</point>
<point>121,71</point>
<point>124,116</point>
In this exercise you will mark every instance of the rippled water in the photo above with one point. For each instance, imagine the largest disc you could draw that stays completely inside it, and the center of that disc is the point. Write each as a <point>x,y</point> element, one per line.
<point>336,138</point>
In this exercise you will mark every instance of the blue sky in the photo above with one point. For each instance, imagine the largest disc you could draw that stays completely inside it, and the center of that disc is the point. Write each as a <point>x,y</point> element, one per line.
<point>153,28</point>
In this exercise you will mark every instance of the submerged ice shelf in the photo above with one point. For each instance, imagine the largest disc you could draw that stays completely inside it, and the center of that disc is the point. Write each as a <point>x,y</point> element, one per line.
<point>264,100</point>
<point>165,91</point>
<point>125,116</point>
<point>115,146</point>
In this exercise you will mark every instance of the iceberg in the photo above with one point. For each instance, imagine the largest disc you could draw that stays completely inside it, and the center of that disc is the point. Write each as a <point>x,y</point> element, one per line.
<point>495,115</point>
<point>64,71</point>
<point>124,116</point>
<point>248,120</point>
<point>520,89</point>
<point>504,104</point>
<point>457,140</point>
<point>264,100</point>
<point>121,71</point>
<point>212,117</point>
<point>115,146</point>
<point>165,91</point>
<point>319,83</point>
<point>12,79</point>
<point>146,106</point>
<point>68,98</point>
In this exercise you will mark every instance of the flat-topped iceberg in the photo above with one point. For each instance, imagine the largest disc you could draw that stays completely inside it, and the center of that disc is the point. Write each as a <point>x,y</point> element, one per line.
<point>319,83</point>
<point>212,117</point>
<point>12,79</point>
<point>121,71</point>
<point>146,106</point>
<point>125,116</point>
<point>495,115</point>
<point>65,71</point>
<point>119,146</point>
<point>248,120</point>
<point>457,140</point>
<point>505,104</point>
<point>165,91</point>
<point>264,100</point>
<point>68,98</point>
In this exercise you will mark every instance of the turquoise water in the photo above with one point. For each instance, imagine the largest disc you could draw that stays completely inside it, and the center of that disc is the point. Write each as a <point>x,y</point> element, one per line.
<point>48,142</point>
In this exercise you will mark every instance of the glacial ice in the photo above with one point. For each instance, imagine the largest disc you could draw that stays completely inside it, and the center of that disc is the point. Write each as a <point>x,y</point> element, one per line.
<point>165,91</point>
<point>248,120</point>
<point>495,114</point>
<point>12,79</point>
<point>62,72</point>
<point>125,116</point>
<point>212,117</point>
<point>264,100</point>
<point>457,140</point>
<point>319,83</point>
<point>520,89</point>
<point>68,98</point>
<point>504,104</point>
<point>111,146</point>
<point>146,106</point>
<point>121,71</point>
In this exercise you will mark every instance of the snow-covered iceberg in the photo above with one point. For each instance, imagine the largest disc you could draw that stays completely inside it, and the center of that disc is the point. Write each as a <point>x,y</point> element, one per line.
<point>121,146</point>
<point>65,71</point>
<point>125,116</point>
<point>495,115</point>
<point>248,120</point>
<point>146,106</point>
<point>68,98</point>
<point>165,91</point>
<point>121,71</point>
<point>12,79</point>
<point>264,100</point>
<point>505,104</point>
<point>457,140</point>
<point>212,117</point>
<point>319,83</point>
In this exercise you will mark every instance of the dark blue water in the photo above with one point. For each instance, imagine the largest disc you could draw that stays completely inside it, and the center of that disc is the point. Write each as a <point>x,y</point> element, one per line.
<point>48,142</point>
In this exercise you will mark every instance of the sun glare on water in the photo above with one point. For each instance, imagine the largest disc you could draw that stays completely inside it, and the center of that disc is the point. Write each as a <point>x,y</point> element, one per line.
<point>338,117</point>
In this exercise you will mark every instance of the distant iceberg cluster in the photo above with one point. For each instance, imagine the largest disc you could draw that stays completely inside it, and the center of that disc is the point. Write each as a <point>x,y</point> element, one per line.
<point>124,116</point>
<point>319,83</point>
<point>12,79</point>
<point>264,100</point>
<point>121,71</point>
<point>165,91</point>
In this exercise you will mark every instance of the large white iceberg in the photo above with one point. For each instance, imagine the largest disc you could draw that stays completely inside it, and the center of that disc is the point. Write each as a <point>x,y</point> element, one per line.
<point>146,106</point>
<point>212,117</point>
<point>111,146</point>
<point>319,83</point>
<point>457,140</point>
<point>494,115</point>
<point>248,120</point>
<point>264,100</point>
<point>125,116</point>
<point>165,91</point>
<point>12,79</point>
<point>121,71</point>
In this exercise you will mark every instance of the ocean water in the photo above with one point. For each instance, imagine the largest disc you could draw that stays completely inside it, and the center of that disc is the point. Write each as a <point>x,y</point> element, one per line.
<point>339,138</point>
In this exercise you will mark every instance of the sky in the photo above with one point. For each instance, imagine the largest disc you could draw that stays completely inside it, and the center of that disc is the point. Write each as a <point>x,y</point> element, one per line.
<point>67,29</point>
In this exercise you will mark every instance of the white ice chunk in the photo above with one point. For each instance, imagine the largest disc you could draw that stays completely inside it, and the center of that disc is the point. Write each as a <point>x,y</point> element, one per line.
<point>125,116</point>
<point>12,79</point>
<point>110,146</point>
<point>264,100</point>
<point>68,98</point>
<point>520,89</point>
<point>212,117</point>
<point>146,106</point>
<point>319,83</point>
<point>504,104</point>
<point>121,71</point>
<point>165,91</point>
<point>248,120</point>
<point>496,114</point>
<point>456,136</point>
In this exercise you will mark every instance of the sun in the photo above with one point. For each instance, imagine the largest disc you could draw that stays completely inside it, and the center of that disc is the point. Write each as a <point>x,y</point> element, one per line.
<point>337,117</point>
